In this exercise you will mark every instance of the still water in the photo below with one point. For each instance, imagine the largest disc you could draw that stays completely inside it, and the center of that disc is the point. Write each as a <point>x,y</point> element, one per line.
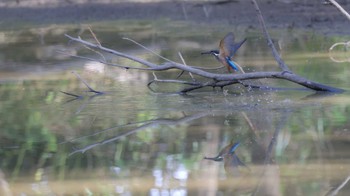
<point>133,141</point>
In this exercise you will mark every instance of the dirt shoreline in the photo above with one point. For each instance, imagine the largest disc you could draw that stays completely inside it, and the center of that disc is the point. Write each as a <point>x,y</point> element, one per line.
<point>303,14</point>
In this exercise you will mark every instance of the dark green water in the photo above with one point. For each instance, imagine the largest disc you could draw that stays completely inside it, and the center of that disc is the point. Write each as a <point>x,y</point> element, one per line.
<point>132,141</point>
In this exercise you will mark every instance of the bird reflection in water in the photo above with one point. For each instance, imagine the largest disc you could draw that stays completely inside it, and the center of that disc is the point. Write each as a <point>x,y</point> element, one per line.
<point>230,158</point>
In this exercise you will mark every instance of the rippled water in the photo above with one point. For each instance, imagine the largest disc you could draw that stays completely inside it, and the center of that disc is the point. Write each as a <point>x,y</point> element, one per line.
<point>133,141</point>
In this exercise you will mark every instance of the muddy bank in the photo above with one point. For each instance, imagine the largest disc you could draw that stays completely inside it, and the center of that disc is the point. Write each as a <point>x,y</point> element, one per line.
<point>281,14</point>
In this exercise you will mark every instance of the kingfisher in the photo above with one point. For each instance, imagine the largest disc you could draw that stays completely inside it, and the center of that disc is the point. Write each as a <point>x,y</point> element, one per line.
<point>228,155</point>
<point>227,49</point>
<point>226,151</point>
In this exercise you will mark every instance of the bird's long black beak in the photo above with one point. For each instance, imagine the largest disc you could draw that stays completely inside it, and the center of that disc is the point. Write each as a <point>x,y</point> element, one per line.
<point>213,52</point>
<point>207,52</point>
<point>217,158</point>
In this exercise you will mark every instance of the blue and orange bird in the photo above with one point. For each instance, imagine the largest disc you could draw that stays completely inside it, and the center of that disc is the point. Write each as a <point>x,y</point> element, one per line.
<point>226,151</point>
<point>227,49</point>
<point>228,155</point>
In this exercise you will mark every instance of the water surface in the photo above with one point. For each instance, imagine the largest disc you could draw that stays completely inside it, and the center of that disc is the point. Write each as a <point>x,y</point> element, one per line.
<point>134,141</point>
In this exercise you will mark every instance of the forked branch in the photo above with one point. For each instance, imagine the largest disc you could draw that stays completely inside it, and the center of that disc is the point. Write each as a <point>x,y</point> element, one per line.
<point>215,79</point>
<point>218,80</point>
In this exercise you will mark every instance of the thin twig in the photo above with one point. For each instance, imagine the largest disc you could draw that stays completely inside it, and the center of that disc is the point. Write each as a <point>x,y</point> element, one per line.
<point>184,62</point>
<point>94,35</point>
<point>149,50</point>
<point>184,10</point>
<point>336,190</point>
<point>177,82</point>
<point>251,125</point>
<point>340,8</point>
<point>103,62</point>
<point>279,60</point>
<point>71,94</point>
<point>239,67</point>
<point>86,84</point>
<point>98,42</point>
<point>154,75</point>
<point>97,52</point>
<point>345,45</point>
<point>180,74</point>
<point>130,57</point>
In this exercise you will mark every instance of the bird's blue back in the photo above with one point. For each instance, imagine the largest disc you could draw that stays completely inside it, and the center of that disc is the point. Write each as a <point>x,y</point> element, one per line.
<point>234,147</point>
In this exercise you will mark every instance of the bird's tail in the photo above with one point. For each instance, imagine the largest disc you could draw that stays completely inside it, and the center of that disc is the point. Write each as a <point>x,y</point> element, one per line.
<point>232,64</point>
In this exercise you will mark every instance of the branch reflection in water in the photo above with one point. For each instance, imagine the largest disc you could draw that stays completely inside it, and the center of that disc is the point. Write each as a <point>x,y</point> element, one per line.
<point>145,124</point>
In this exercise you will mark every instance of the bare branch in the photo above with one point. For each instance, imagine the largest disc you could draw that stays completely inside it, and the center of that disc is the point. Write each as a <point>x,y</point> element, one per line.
<point>341,44</point>
<point>138,60</point>
<point>206,84</point>
<point>98,42</point>
<point>71,94</point>
<point>278,58</point>
<point>340,8</point>
<point>220,80</point>
<point>209,68</point>
<point>184,62</point>
<point>233,78</point>
<point>239,67</point>
<point>94,35</point>
<point>336,190</point>
<point>177,82</point>
<point>86,84</point>
<point>104,62</point>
